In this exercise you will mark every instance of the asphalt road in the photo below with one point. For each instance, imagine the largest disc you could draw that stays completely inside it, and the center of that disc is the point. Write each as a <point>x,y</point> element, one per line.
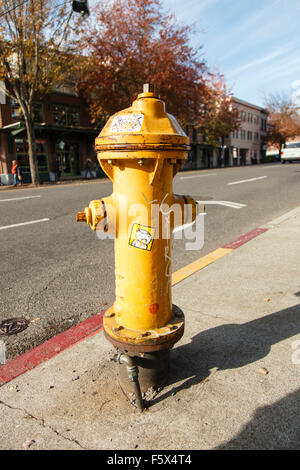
<point>57,273</point>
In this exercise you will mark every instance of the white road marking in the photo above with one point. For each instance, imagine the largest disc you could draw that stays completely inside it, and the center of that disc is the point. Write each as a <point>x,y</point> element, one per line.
<point>24,223</point>
<point>247,181</point>
<point>196,176</point>
<point>18,198</point>
<point>234,205</point>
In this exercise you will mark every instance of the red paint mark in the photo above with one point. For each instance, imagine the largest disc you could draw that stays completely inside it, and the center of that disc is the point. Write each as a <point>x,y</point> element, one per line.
<point>245,238</point>
<point>153,308</point>
<point>51,348</point>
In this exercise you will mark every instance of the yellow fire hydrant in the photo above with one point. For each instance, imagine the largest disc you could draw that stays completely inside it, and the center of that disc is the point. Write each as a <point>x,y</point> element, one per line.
<point>141,149</point>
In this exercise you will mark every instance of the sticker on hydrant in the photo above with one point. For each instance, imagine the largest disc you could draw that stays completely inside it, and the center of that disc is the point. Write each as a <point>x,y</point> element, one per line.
<point>127,123</point>
<point>141,237</point>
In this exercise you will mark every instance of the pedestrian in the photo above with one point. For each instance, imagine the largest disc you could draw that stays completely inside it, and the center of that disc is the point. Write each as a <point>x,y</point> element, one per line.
<point>88,169</point>
<point>16,172</point>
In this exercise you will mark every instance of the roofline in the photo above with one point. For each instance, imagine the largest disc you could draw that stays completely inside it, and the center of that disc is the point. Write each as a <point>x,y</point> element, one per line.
<point>246,103</point>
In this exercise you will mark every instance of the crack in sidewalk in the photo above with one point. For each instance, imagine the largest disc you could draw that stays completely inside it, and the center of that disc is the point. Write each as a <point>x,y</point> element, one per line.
<point>42,423</point>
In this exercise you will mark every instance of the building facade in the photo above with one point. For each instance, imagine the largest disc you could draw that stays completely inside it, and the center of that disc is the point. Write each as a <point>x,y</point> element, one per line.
<point>64,136</point>
<point>248,144</point>
<point>201,154</point>
<point>244,146</point>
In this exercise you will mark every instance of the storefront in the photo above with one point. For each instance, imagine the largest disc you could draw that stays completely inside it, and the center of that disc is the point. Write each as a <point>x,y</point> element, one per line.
<point>69,147</point>
<point>21,155</point>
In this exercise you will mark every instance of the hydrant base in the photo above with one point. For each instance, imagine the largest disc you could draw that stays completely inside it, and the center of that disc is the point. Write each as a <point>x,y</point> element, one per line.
<point>154,369</point>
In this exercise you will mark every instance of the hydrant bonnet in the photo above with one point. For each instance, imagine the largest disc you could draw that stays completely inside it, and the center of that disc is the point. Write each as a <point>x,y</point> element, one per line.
<point>144,127</point>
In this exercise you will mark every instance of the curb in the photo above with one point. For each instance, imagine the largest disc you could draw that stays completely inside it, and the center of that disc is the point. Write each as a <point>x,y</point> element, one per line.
<point>93,325</point>
<point>50,348</point>
<point>60,184</point>
<point>245,238</point>
<point>213,256</point>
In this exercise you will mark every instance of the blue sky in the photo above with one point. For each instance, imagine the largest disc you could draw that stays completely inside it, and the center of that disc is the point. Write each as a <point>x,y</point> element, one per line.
<point>254,43</point>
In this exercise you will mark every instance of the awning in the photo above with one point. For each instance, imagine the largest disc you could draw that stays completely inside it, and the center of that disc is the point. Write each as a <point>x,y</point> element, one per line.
<point>19,127</point>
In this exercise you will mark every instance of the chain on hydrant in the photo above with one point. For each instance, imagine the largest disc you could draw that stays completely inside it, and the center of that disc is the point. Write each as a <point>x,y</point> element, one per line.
<point>141,149</point>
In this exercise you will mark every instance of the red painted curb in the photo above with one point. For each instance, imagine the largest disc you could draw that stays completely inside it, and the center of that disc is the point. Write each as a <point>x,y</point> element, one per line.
<point>245,238</point>
<point>68,338</point>
<point>50,348</point>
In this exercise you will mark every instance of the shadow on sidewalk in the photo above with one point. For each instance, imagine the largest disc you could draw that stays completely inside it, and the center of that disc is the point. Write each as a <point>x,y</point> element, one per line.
<point>231,346</point>
<point>273,427</point>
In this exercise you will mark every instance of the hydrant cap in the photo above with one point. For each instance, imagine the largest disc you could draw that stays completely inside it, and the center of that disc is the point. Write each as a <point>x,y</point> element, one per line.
<point>145,126</point>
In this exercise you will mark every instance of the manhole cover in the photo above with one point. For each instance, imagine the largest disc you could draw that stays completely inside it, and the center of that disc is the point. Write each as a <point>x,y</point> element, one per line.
<point>12,326</point>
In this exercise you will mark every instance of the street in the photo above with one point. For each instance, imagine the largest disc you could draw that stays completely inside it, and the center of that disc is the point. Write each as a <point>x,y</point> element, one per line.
<point>57,273</point>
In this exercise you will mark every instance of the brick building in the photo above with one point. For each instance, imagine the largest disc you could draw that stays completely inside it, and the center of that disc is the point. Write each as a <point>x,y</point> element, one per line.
<point>63,131</point>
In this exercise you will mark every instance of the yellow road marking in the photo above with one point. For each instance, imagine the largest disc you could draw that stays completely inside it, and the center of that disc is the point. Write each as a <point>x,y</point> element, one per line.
<point>199,264</point>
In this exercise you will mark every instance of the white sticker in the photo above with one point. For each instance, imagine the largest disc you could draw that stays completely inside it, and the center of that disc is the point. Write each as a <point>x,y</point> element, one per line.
<point>127,123</point>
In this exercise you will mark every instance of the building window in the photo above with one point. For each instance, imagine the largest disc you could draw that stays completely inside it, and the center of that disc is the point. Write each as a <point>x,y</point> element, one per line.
<point>38,112</point>
<point>21,146</point>
<point>249,135</point>
<point>16,111</point>
<point>195,136</point>
<point>243,134</point>
<point>263,125</point>
<point>243,115</point>
<point>256,136</point>
<point>68,157</point>
<point>66,116</point>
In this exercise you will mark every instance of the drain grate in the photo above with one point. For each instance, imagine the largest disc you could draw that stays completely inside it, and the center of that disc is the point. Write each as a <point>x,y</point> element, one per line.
<point>12,326</point>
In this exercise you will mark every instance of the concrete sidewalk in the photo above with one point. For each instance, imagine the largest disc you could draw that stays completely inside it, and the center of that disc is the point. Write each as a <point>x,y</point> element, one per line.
<point>235,373</point>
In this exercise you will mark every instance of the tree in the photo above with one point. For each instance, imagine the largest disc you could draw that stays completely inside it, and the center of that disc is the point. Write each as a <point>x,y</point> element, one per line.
<point>218,117</point>
<point>283,119</point>
<point>35,54</point>
<point>132,42</point>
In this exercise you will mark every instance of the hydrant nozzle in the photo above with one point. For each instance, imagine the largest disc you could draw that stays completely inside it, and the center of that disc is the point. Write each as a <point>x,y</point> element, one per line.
<point>92,215</point>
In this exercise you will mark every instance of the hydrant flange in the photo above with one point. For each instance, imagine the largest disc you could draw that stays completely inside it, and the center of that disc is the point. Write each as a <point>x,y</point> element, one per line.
<point>144,341</point>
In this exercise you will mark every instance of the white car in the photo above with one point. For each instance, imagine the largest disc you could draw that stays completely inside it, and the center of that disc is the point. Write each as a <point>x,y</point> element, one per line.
<point>290,152</point>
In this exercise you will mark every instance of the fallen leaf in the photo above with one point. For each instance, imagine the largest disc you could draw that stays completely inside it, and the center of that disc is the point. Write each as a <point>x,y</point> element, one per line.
<point>267,299</point>
<point>263,371</point>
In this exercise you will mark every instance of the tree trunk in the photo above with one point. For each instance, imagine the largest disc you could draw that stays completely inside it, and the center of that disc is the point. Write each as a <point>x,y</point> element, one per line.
<point>35,179</point>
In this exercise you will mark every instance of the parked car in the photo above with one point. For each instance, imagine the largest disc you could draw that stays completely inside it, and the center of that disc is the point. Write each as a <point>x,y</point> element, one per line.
<point>290,152</point>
